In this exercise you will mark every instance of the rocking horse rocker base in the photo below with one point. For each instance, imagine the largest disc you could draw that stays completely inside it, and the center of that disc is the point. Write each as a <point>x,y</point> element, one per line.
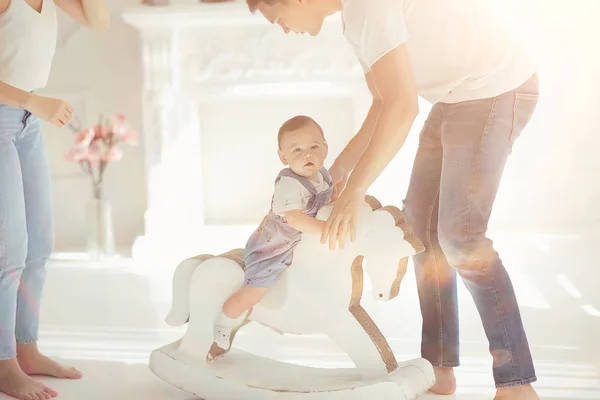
<point>320,293</point>
<point>241,376</point>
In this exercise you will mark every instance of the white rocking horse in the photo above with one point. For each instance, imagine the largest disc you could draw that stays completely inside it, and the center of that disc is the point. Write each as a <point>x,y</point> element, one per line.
<point>319,293</point>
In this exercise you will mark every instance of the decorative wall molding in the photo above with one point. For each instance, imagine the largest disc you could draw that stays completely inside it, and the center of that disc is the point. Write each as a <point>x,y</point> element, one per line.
<point>266,55</point>
<point>198,55</point>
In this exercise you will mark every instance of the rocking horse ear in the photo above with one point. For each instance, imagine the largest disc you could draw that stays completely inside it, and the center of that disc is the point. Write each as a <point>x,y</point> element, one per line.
<point>373,202</point>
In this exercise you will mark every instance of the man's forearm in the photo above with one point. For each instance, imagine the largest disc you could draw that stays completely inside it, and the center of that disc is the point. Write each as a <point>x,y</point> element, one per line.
<point>391,130</point>
<point>12,96</point>
<point>358,144</point>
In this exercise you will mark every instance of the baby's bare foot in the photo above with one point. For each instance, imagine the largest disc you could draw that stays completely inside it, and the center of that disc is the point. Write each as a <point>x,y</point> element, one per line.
<point>445,381</point>
<point>525,392</point>
<point>14,382</point>
<point>33,362</point>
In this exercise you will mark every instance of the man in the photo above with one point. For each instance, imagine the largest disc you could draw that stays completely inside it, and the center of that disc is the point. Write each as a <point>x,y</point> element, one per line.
<point>484,90</point>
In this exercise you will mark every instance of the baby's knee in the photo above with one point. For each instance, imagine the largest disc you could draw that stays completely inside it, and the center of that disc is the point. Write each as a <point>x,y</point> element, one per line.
<point>252,295</point>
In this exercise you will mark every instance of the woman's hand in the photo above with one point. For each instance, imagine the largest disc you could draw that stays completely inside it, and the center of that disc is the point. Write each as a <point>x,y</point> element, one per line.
<point>343,218</point>
<point>55,111</point>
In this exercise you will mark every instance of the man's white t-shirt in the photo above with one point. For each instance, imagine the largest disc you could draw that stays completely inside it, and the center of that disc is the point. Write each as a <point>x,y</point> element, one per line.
<point>290,194</point>
<point>459,49</point>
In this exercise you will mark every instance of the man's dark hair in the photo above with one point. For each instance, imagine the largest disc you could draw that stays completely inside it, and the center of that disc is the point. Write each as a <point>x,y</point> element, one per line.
<point>253,4</point>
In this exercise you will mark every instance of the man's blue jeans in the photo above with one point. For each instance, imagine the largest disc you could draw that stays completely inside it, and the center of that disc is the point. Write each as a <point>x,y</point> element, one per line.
<point>462,152</point>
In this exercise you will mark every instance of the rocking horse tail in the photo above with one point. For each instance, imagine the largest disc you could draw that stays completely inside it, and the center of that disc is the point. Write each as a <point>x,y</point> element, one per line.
<point>180,310</point>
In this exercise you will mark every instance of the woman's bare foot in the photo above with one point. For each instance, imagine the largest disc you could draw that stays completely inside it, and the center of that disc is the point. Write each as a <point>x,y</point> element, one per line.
<point>445,381</point>
<point>525,392</point>
<point>33,362</point>
<point>14,382</point>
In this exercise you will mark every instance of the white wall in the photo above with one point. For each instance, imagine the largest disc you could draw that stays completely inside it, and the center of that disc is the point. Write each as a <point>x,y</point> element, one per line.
<point>97,73</point>
<point>551,181</point>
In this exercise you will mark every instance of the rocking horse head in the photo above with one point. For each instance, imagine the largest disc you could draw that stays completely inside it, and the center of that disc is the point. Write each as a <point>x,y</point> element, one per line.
<point>384,242</point>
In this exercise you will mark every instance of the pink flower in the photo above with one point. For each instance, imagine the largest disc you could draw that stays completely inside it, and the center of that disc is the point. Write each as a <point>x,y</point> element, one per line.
<point>113,155</point>
<point>85,137</point>
<point>130,137</point>
<point>98,145</point>
<point>94,154</point>
<point>91,155</point>
<point>76,155</point>
<point>122,132</point>
<point>119,119</point>
<point>101,132</point>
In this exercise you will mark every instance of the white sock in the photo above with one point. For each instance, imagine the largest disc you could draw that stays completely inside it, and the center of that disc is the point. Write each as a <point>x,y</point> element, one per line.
<point>224,321</point>
<point>222,330</point>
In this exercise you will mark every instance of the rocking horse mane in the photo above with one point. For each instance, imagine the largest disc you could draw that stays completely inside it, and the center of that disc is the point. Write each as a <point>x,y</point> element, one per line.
<point>236,255</point>
<point>401,223</point>
<point>399,220</point>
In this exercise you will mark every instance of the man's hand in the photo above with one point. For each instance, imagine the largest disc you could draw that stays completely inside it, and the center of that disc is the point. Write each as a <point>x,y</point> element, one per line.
<point>339,176</point>
<point>343,219</point>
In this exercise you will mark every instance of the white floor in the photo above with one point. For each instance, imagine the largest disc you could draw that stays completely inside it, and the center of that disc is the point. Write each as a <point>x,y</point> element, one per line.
<point>106,319</point>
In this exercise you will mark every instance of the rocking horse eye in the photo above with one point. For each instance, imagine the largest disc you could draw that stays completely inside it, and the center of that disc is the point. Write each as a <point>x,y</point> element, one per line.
<point>380,295</point>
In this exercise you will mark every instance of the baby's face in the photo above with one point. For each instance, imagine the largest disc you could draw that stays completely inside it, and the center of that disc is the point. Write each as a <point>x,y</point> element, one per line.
<point>304,150</point>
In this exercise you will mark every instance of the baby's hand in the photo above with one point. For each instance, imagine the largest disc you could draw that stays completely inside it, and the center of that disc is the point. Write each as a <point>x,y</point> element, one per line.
<point>303,222</point>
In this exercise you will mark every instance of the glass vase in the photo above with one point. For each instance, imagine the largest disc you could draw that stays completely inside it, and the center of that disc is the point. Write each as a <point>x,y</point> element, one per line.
<point>100,234</point>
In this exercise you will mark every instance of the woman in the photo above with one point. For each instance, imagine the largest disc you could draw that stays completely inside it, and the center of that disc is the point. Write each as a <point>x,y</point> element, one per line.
<point>28,34</point>
<point>484,90</point>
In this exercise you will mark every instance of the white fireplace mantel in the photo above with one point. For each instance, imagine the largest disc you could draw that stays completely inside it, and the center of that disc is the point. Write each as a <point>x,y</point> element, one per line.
<point>204,53</point>
<point>191,13</point>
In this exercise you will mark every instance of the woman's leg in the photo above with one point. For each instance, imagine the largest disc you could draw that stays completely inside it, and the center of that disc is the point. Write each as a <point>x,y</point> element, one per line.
<point>38,210</point>
<point>13,255</point>
<point>436,280</point>
<point>13,233</point>
<point>477,138</point>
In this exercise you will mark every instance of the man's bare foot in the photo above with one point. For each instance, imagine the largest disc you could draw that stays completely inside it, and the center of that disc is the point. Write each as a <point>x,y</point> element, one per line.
<point>33,362</point>
<point>525,392</point>
<point>445,381</point>
<point>14,382</point>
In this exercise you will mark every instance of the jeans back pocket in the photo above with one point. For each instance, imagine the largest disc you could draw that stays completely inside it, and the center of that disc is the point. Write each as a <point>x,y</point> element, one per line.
<point>524,107</point>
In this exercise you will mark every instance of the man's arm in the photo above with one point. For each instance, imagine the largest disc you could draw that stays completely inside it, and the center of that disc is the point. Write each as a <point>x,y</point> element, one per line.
<point>304,223</point>
<point>395,87</point>
<point>92,14</point>
<point>348,158</point>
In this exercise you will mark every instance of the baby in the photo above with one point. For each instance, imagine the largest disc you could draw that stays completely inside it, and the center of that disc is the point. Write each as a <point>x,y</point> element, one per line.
<point>300,191</point>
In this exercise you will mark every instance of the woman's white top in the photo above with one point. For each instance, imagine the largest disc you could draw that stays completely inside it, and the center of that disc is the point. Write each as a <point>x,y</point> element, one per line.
<point>27,44</point>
